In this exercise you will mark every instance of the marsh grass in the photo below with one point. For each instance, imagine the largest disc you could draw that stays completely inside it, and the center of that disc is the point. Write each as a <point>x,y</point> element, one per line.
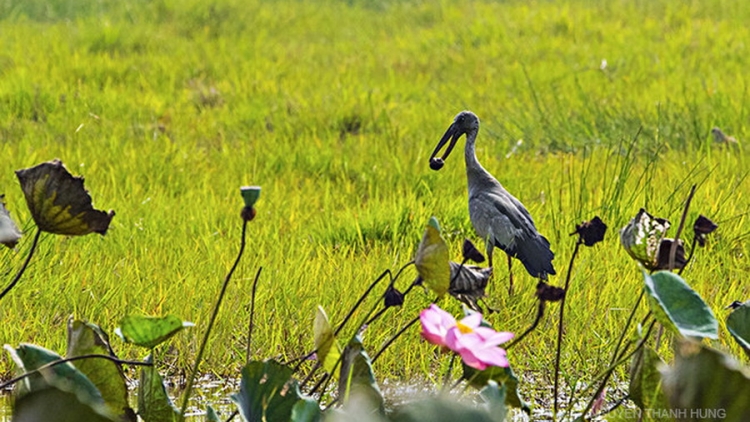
<point>332,107</point>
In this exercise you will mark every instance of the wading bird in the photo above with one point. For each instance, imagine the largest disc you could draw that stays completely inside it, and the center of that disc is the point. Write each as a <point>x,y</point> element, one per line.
<point>497,216</point>
<point>722,138</point>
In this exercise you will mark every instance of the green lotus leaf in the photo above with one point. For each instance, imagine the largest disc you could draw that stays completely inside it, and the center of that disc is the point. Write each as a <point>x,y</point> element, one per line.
<point>432,259</point>
<point>148,331</point>
<point>738,324</point>
<point>502,376</point>
<point>358,379</point>
<point>85,338</point>
<point>211,415</point>
<point>645,380</point>
<point>325,343</point>
<point>154,404</point>
<point>64,376</point>
<point>705,384</point>
<point>678,307</point>
<point>268,393</point>
<point>54,405</point>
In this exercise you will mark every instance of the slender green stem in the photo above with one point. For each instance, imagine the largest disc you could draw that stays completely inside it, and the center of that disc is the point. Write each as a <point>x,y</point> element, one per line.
<point>614,365</point>
<point>448,373</point>
<point>627,326</point>
<point>560,325</point>
<point>673,249</point>
<point>392,339</point>
<point>539,315</point>
<point>362,299</point>
<point>616,354</point>
<point>367,319</point>
<point>66,360</point>
<point>325,379</point>
<point>470,380</point>
<point>625,349</point>
<point>202,349</point>
<point>25,264</point>
<point>689,257</point>
<point>250,325</point>
<point>309,376</point>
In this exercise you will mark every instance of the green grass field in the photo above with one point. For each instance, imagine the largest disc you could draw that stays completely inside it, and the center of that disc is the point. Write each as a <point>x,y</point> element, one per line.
<point>168,107</point>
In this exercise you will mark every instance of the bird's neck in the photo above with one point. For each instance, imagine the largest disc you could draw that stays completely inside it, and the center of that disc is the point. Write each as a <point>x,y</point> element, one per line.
<point>474,169</point>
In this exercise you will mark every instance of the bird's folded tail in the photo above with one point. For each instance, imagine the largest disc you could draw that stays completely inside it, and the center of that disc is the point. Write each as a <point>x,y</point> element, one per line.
<point>535,254</point>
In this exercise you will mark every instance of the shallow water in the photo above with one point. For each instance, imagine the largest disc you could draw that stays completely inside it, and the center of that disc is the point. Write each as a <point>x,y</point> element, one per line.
<point>216,392</point>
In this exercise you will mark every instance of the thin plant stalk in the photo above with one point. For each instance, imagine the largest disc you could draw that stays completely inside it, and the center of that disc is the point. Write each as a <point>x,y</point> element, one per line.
<point>250,324</point>
<point>202,349</point>
<point>615,358</point>
<point>615,364</point>
<point>347,318</point>
<point>616,353</point>
<point>560,325</point>
<point>367,293</point>
<point>448,373</point>
<point>627,326</point>
<point>72,359</point>
<point>392,339</point>
<point>689,257</point>
<point>539,315</point>
<point>673,249</point>
<point>25,264</point>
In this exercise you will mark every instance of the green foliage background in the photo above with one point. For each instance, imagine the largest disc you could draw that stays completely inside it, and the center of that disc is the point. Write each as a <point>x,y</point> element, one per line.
<point>333,107</point>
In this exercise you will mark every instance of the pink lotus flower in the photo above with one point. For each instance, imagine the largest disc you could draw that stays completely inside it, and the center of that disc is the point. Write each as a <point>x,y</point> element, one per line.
<point>477,345</point>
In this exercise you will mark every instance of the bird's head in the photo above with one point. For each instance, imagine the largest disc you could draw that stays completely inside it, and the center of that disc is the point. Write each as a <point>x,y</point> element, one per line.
<point>719,136</point>
<point>464,122</point>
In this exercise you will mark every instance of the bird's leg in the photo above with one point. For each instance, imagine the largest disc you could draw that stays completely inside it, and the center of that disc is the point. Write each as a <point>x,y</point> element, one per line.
<point>510,275</point>
<point>488,249</point>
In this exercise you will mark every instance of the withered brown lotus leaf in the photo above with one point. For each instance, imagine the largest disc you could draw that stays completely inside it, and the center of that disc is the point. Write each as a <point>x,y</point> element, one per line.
<point>665,248</point>
<point>642,238</point>
<point>548,293</point>
<point>468,284</point>
<point>591,232</point>
<point>471,252</point>
<point>703,226</point>
<point>58,202</point>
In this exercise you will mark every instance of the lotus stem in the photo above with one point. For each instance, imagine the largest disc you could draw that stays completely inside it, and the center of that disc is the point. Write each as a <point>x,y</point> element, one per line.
<point>25,264</point>
<point>202,349</point>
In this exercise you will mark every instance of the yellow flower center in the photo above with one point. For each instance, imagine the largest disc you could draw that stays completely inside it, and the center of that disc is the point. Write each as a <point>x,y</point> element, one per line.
<point>463,328</point>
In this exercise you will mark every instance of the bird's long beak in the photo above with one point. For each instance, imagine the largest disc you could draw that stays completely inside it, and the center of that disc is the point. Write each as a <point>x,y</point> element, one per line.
<point>452,134</point>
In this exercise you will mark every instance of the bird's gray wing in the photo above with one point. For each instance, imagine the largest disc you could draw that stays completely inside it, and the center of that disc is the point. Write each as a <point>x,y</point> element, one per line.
<point>513,231</point>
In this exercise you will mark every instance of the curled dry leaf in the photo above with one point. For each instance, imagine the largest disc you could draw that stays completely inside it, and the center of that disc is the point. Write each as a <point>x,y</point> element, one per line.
<point>471,252</point>
<point>393,297</point>
<point>591,232</point>
<point>468,284</point>
<point>642,238</point>
<point>58,202</point>
<point>662,260</point>
<point>702,227</point>
<point>734,305</point>
<point>547,293</point>
<point>9,232</point>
